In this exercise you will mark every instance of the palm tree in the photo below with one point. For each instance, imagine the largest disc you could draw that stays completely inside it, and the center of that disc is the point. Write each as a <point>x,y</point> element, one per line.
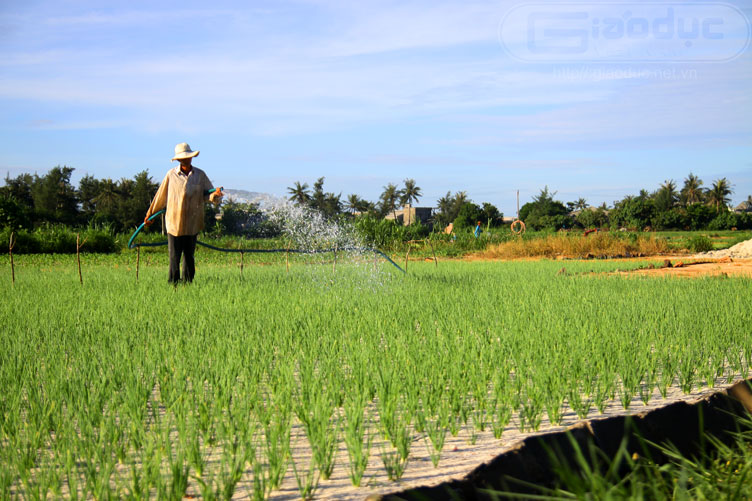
<point>108,195</point>
<point>692,192</point>
<point>389,198</point>
<point>353,203</point>
<point>299,193</point>
<point>410,194</point>
<point>332,204</point>
<point>460,198</point>
<point>719,193</point>
<point>318,197</point>
<point>366,206</point>
<point>579,205</point>
<point>444,208</point>
<point>666,197</point>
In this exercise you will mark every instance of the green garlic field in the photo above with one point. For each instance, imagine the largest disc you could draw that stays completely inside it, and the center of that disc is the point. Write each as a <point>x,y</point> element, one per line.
<point>120,388</point>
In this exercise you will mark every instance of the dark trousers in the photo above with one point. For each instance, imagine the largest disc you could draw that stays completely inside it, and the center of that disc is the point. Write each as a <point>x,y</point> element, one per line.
<point>184,245</point>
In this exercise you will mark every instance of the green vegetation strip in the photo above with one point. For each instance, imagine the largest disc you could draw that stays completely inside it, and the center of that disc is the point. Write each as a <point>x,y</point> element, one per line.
<point>124,388</point>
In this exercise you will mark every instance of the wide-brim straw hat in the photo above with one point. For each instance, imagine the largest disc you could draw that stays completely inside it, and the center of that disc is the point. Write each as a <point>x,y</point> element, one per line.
<point>183,151</point>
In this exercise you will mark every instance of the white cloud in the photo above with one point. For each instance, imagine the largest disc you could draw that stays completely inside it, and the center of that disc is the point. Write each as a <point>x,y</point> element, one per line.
<point>359,64</point>
<point>378,28</point>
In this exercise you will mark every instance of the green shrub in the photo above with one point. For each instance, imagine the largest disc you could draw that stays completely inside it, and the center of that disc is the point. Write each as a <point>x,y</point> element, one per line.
<point>592,218</point>
<point>469,214</point>
<point>246,220</point>
<point>699,243</point>
<point>99,240</point>
<point>12,213</point>
<point>59,239</point>
<point>386,233</point>
<point>672,219</point>
<point>725,220</point>
<point>699,215</point>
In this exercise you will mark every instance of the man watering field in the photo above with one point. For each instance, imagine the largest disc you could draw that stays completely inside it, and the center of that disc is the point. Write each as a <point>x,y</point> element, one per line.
<point>183,191</point>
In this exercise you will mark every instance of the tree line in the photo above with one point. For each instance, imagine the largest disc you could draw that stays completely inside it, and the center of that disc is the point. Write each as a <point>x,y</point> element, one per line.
<point>693,207</point>
<point>30,200</point>
<point>454,208</point>
<point>330,204</point>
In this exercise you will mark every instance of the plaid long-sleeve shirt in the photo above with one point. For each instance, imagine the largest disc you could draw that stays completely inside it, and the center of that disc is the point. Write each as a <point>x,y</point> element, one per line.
<point>183,195</point>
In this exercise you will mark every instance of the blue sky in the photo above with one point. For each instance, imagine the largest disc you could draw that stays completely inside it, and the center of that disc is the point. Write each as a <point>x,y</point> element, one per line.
<point>366,93</point>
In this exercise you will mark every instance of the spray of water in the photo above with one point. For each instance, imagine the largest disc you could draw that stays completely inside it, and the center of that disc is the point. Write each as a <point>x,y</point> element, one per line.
<point>322,238</point>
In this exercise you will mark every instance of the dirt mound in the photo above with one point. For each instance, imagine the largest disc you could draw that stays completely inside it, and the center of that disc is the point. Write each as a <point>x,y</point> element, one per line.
<point>742,250</point>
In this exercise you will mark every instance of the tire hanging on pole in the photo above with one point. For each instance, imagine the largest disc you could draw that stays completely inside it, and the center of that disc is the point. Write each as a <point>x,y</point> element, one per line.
<point>518,227</point>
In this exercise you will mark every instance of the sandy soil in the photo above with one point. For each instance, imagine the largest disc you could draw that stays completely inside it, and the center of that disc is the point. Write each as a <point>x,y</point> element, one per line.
<point>699,267</point>
<point>734,261</point>
<point>681,265</point>
<point>460,456</point>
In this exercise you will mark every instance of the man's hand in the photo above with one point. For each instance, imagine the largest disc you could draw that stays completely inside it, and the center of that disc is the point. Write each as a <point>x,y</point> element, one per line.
<point>148,222</point>
<point>216,196</point>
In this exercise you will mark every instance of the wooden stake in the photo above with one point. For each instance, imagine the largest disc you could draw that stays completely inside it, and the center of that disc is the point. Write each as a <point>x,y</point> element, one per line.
<point>435,261</point>
<point>287,257</point>
<point>241,264</point>
<point>12,265</point>
<point>334,265</point>
<point>407,254</point>
<point>78,256</point>
<point>138,260</point>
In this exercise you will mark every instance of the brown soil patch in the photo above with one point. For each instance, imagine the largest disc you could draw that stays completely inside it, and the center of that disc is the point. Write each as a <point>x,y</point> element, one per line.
<point>680,266</point>
<point>698,268</point>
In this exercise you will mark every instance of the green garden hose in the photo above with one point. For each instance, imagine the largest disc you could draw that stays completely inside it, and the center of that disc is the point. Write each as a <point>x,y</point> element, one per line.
<point>131,245</point>
<point>151,218</point>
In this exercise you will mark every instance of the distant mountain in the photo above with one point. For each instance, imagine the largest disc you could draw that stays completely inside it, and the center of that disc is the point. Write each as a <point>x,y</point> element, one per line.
<point>245,197</point>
